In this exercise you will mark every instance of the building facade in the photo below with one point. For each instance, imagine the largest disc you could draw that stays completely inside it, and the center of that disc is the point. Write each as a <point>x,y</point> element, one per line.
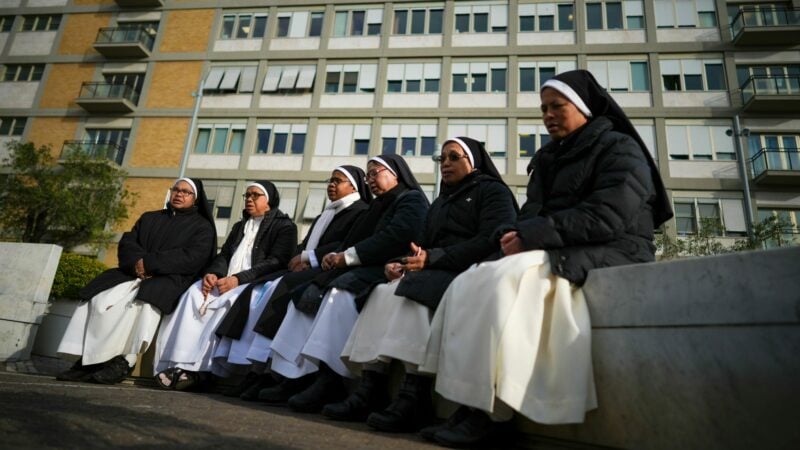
<point>286,90</point>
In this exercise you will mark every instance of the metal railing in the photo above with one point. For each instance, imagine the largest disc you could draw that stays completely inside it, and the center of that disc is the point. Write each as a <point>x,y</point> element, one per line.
<point>103,90</point>
<point>763,16</point>
<point>775,159</point>
<point>99,150</point>
<point>127,35</point>
<point>770,85</point>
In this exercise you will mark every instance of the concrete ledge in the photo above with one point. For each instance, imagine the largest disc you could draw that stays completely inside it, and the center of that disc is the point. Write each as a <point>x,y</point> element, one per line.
<point>699,353</point>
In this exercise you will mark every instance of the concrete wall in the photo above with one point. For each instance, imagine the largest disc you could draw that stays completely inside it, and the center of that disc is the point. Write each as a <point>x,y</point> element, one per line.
<point>701,353</point>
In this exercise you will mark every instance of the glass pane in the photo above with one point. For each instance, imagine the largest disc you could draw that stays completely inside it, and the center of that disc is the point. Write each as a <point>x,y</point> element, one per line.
<point>298,143</point>
<point>527,23</point>
<point>19,127</point>
<point>565,17</point>
<point>332,82</point>
<point>260,26</point>
<point>350,82</point>
<point>24,72</point>
<point>373,29</point>
<point>357,25</point>
<point>707,19</point>
<point>428,146</point>
<point>527,79</point>
<point>316,24</point>
<point>389,145</point>
<point>244,27</point>
<point>479,82</point>
<point>340,23</point>
<point>546,23</point>
<point>220,138</point>
<point>432,85</point>
<point>400,18</point>
<point>394,86</point>
<point>672,82</point>
<point>262,140</point>
<point>279,147</point>
<point>418,21</point>
<point>361,147</point>
<point>498,80</point>
<point>41,23</point>
<point>594,16</point>
<point>435,26</point>
<point>237,141</point>
<point>708,210</point>
<point>201,145</point>
<point>462,23</point>
<point>635,22</point>
<point>227,27</point>
<point>409,145</point>
<point>5,126</point>
<point>544,139</point>
<point>413,85</point>
<point>613,15</point>
<point>545,73</point>
<point>459,82</point>
<point>715,77</point>
<point>693,82</point>
<point>481,22</point>
<point>640,77</point>
<point>527,144</point>
<point>283,26</point>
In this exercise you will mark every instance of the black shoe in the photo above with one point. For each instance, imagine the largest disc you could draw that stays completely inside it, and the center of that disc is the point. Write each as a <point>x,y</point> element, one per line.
<point>370,396</point>
<point>429,432</point>
<point>235,391</point>
<point>114,371</point>
<point>280,394</point>
<point>79,372</point>
<point>263,381</point>
<point>327,388</point>
<point>410,411</point>
<point>477,428</point>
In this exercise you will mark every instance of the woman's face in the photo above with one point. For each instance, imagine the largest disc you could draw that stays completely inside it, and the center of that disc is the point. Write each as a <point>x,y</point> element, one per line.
<point>379,178</point>
<point>181,195</point>
<point>561,117</point>
<point>255,202</point>
<point>339,186</point>
<point>454,171</point>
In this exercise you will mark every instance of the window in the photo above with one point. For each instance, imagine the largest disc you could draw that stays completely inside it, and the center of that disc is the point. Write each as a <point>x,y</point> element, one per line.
<point>133,80</point>
<point>481,18</point>
<point>531,138</point>
<point>220,198</point>
<point>41,22</point>
<point>413,77</point>
<point>220,138</point>
<point>408,139</point>
<point>282,138</point>
<point>699,142</point>
<point>230,80</point>
<point>350,78</point>
<point>110,142</point>
<point>243,26</point>
<point>342,139</point>
<point>12,126</point>
<point>6,22</point>
<point>492,133</point>
<point>533,73</point>
<point>726,215</point>
<point>418,20</point>
<point>774,151</point>
<point>358,22</point>
<point>621,76</point>
<point>685,14</point>
<point>615,15</point>
<point>789,219</point>
<point>289,79</point>
<point>23,72</point>
<point>299,24</point>
<point>479,77</point>
<point>546,17</point>
<point>692,75</point>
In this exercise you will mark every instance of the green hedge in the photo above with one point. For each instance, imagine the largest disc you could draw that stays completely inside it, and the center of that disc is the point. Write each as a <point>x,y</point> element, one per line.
<point>74,271</point>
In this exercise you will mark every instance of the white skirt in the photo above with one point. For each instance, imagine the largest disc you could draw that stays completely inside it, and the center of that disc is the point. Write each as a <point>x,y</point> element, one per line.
<point>112,323</point>
<point>389,327</point>
<point>511,330</point>
<point>235,351</point>
<point>186,339</point>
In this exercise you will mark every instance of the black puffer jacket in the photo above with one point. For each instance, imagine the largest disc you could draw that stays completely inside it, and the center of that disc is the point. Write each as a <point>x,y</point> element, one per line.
<point>590,202</point>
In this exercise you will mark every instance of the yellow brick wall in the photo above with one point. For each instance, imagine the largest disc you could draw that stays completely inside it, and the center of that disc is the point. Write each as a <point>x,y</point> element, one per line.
<point>173,83</point>
<point>64,84</point>
<point>52,131</point>
<point>186,31</point>
<point>110,258</point>
<point>150,195</point>
<point>159,142</point>
<point>81,31</point>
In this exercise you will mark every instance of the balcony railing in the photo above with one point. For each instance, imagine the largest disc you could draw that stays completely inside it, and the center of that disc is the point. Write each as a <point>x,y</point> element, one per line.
<point>102,90</point>
<point>139,3</point>
<point>125,41</point>
<point>775,160</point>
<point>773,88</point>
<point>99,150</point>
<point>773,19</point>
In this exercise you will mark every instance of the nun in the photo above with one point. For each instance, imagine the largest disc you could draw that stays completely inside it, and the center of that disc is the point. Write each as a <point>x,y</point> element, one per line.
<point>514,335</point>
<point>158,259</point>
<point>261,243</point>
<point>307,346</point>
<point>395,322</point>
<point>241,346</point>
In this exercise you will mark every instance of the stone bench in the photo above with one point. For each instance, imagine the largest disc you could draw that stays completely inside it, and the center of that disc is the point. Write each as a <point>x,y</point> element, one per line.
<point>697,353</point>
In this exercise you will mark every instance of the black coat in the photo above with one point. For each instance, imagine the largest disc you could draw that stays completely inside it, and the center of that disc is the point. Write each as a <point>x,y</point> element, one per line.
<point>458,233</point>
<point>590,202</point>
<point>276,239</point>
<point>333,236</point>
<point>175,246</point>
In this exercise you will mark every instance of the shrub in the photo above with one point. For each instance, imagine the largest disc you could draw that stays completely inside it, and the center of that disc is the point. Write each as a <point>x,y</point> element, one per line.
<point>73,272</point>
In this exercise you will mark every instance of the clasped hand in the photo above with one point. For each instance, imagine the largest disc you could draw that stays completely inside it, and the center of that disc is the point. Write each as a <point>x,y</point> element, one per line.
<point>395,270</point>
<point>141,273</point>
<point>223,285</point>
<point>511,243</point>
<point>333,261</point>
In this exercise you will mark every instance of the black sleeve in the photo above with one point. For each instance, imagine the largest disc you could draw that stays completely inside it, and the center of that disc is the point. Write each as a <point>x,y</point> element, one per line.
<point>129,251</point>
<point>404,227</point>
<point>219,266</point>
<point>279,249</point>
<point>186,260</point>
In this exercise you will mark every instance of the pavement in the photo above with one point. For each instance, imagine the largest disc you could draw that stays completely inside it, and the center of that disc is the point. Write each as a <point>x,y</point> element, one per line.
<point>36,411</point>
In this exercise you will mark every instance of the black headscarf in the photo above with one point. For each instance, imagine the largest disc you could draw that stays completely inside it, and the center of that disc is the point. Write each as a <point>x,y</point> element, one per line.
<point>479,157</point>
<point>600,103</point>
<point>400,168</point>
<point>358,179</point>
<point>203,208</point>
<point>274,198</point>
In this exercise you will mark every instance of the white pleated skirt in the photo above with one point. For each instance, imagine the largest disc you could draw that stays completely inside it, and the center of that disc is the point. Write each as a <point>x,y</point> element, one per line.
<point>235,351</point>
<point>513,331</point>
<point>112,323</point>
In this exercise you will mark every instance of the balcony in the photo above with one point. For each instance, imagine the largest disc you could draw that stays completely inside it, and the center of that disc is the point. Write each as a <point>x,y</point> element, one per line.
<point>770,93</point>
<point>766,25</point>
<point>776,166</point>
<point>125,42</point>
<point>110,151</point>
<point>107,98</point>
<point>140,3</point>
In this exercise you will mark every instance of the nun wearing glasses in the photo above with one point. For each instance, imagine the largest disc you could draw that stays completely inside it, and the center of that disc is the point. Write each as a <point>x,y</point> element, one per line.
<point>158,259</point>
<point>395,321</point>
<point>261,243</point>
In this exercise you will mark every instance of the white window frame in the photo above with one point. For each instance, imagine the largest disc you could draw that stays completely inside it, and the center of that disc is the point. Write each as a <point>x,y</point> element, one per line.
<point>676,13</point>
<point>630,8</point>
<point>231,130</point>
<point>237,17</point>
<point>340,139</point>
<point>292,131</point>
<point>365,83</point>
<point>473,68</point>
<point>372,16</point>
<point>15,125</point>
<point>687,66</point>
<point>616,75</point>
<point>537,10</point>
<point>299,23</point>
<point>414,71</point>
<point>6,23</point>
<point>492,132</point>
<point>416,131</point>
<point>699,142</point>
<point>51,22</point>
<point>731,214</point>
<point>289,79</point>
<point>409,9</point>
<point>221,194</point>
<point>557,66</point>
<point>496,21</point>
<point>539,132</point>
<point>230,80</point>
<point>34,72</point>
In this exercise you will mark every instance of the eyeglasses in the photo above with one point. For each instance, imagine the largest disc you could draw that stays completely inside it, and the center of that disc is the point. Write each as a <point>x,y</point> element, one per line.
<point>253,195</point>
<point>185,192</point>
<point>374,172</point>
<point>453,157</point>
<point>335,181</point>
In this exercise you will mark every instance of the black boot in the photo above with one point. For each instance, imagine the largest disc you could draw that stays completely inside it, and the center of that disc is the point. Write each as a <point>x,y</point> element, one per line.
<point>370,396</point>
<point>327,388</point>
<point>280,394</point>
<point>264,381</point>
<point>476,429</point>
<point>114,371</point>
<point>79,372</point>
<point>461,413</point>
<point>235,391</point>
<point>410,411</point>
